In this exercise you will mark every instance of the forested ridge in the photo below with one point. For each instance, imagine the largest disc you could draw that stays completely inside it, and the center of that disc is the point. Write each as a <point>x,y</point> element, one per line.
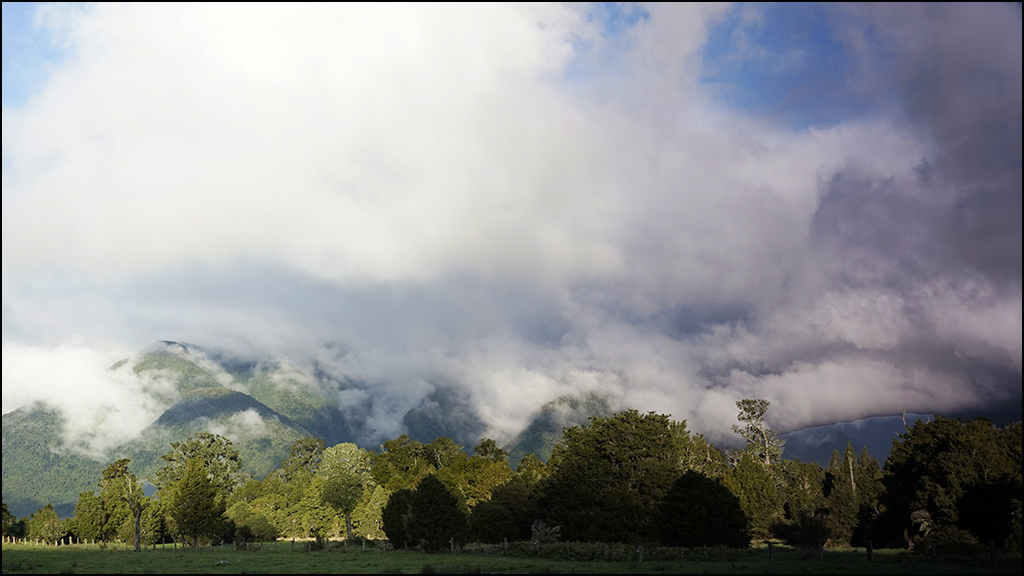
<point>628,477</point>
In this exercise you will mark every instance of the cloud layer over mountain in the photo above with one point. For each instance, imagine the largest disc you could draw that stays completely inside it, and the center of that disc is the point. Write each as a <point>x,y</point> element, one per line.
<point>676,206</point>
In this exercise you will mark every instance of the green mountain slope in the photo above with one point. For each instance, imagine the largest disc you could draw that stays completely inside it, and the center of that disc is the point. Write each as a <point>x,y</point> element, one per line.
<point>545,429</point>
<point>37,470</point>
<point>262,437</point>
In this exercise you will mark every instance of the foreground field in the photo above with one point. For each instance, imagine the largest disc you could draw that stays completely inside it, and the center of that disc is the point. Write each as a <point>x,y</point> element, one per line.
<point>285,558</point>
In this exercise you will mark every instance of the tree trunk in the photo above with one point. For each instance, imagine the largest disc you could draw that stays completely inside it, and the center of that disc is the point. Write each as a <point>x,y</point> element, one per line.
<point>138,530</point>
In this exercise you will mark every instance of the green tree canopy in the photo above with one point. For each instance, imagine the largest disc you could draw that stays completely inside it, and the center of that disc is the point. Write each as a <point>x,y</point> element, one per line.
<point>436,515</point>
<point>45,525</point>
<point>608,477</point>
<point>762,442</point>
<point>305,456</point>
<point>758,496</point>
<point>219,456</point>
<point>959,474</point>
<point>343,491</point>
<point>120,486</point>
<point>197,508</point>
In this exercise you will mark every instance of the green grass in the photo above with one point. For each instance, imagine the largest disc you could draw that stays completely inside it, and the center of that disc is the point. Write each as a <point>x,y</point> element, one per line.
<point>285,558</point>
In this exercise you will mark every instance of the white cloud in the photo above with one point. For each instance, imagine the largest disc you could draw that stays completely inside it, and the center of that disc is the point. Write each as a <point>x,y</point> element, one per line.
<point>503,197</point>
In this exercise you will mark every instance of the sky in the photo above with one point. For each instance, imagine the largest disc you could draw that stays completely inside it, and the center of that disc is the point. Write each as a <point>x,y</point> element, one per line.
<point>674,206</point>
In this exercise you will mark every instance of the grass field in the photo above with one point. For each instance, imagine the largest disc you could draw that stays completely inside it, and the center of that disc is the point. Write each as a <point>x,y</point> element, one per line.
<point>286,558</point>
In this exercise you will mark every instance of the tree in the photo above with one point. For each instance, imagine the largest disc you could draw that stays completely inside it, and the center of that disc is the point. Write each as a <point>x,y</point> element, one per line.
<point>219,456</point>
<point>45,525</point>
<point>608,477</point>
<point>521,496</point>
<point>8,519</point>
<point>402,463</point>
<point>492,522</point>
<point>346,469</point>
<point>762,442</point>
<point>120,485</point>
<point>395,518</point>
<point>305,455</point>
<point>758,497</point>
<point>197,508</point>
<point>851,487</point>
<point>957,474</point>
<point>700,511</point>
<point>436,515</point>
<point>343,492</point>
<point>89,516</point>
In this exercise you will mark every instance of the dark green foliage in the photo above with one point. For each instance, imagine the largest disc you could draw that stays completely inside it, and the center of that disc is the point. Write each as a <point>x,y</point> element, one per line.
<point>90,517</point>
<point>395,518</point>
<point>609,477</point>
<point>436,516</point>
<point>492,522</point>
<point>196,505</point>
<point>429,516</point>
<point>700,511</point>
<point>521,496</point>
<point>852,487</point>
<point>758,497</point>
<point>7,520</point>
<point>955,473</point>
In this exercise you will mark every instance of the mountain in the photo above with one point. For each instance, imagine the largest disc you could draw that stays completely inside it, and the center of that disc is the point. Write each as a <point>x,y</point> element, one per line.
<point>37,468</point>
<point>263,407</point>
<point>545,428</point>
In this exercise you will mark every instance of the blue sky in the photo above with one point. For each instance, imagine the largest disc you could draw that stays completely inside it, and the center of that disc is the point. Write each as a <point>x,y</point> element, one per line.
<point>675,206</point>
<point>27,52</point>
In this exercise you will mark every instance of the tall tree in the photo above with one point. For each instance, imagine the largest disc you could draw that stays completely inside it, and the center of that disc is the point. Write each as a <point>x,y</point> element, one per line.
<point>608,477</point>
<point>753,484</point>
<point>305,456</point>
<point>197,508</point>
<point>90,517</point>
<point>120,485</point>
<point>7,519</point>
<point>347,482</point>
<point>395,518</point>
<point>762,442</point>
<point>402,463</point>
<point>219,456</point>
<point>436,515</point>
<point>342,492</point>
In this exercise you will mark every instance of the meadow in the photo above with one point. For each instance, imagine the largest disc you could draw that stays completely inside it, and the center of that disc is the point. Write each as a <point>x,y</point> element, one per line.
<point>285,557</point>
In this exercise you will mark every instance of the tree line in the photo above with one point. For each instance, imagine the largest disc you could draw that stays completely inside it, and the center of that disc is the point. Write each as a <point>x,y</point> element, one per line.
<point>631,477</point>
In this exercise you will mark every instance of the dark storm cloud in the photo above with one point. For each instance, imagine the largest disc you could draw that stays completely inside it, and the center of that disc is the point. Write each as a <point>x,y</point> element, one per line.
<point>957,70</point>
